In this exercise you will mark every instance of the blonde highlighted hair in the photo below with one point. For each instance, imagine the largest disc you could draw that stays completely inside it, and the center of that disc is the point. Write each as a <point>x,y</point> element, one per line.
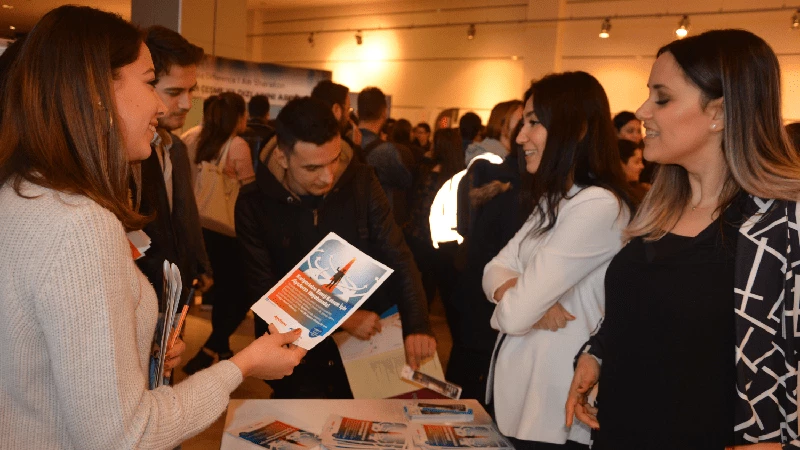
<point>740,68</point>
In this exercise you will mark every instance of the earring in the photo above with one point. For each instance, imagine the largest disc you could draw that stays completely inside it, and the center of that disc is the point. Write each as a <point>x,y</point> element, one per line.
<point>713,126</point>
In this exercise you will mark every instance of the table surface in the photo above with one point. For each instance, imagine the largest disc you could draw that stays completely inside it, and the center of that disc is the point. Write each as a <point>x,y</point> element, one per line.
<point>310,415</point>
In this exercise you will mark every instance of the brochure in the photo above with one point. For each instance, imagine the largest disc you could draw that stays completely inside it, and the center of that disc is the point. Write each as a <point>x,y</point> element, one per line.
<point>276,435</point>
<point>438,437</point>
<point>347,433</point>
<point>322,290</point>
<point>166,326</point>
<point>438,413</point>
<point>443,387</point>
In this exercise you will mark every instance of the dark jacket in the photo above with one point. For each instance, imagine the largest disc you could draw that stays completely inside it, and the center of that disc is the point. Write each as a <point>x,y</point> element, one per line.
<point>257,134</point>
<point>765,293</point>
<point>276,230</point>
<point>175,236</point>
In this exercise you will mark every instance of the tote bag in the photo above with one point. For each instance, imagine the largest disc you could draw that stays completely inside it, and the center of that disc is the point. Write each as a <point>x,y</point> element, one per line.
<point>216,194</point>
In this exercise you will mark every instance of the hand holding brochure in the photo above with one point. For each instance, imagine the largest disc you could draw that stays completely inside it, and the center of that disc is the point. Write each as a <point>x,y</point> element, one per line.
<point>322,290</point>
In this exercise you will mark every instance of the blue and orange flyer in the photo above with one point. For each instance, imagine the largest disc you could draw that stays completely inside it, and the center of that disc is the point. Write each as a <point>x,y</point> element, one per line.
<point>322,291</point>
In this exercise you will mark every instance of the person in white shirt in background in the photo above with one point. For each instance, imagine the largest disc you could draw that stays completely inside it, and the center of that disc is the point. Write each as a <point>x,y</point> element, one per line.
<point>78,315</point>
<point>548,280</point>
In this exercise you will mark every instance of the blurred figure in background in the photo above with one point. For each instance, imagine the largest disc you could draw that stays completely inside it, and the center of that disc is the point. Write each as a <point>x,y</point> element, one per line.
<point>496,135</point>
<point>422,139</point>
<point>219,142</point>
<point>630,156</point>
<point>444,161</point>
<point>471,127</point>
<point>258,132</point>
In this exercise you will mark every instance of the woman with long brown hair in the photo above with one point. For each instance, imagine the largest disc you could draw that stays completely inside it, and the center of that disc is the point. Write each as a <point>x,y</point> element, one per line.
<point>78,316</point>
<point>699,345</point>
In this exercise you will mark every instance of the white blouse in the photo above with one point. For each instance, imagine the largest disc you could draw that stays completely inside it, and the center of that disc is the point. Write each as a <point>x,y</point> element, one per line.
<point>533,370</point>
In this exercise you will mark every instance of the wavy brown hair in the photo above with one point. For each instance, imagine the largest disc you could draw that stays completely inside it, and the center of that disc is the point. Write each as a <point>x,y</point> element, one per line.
<point>59,111</point>
<point>740,68</point>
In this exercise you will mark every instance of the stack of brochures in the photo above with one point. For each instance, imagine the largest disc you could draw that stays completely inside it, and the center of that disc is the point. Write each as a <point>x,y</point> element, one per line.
<point>348,433</point>
<point>166,324</point>
<point>444,437</point>
<point>276,435</point>
<point>438,412</point>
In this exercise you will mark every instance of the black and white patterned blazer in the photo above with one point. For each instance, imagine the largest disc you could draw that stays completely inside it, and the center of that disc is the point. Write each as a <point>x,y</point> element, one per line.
<point>767,292</point>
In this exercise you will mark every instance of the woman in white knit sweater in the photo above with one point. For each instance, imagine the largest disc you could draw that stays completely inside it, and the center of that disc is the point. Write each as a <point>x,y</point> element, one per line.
<point>78,316</point>
<point>548,280</point>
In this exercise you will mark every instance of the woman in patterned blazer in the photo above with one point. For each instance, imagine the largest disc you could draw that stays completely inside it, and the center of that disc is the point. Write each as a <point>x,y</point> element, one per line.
<point>698,348</point>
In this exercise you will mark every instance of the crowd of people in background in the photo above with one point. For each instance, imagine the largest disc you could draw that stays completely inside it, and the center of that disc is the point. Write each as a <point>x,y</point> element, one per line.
<point>565,246</point>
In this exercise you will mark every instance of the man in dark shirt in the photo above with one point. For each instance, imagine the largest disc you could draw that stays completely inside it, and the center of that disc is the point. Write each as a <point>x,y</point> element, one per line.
<point>293,205</point>
<point>258,133</point>
<point>166,187</point>
<point>383,156</point>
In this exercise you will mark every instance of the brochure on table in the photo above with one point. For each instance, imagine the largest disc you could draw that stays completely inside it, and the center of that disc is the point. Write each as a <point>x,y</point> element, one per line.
<point>373,366</point>
<point>276,435</point>
<point>322,290</point>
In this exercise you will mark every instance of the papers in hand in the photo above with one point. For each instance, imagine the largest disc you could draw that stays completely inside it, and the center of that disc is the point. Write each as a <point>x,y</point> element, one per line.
<point>276,435</point>
<point>140,241</point>
<point>348,433</point>
<point>438,413</point>
<point>171,295</point>
<point>322,290</point>
<point>441,386</point>
<point>373,366</point>
<point>440,437</point>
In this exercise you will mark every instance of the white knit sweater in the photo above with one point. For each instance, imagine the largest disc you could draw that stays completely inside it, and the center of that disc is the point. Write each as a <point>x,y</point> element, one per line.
<point>76,323</point>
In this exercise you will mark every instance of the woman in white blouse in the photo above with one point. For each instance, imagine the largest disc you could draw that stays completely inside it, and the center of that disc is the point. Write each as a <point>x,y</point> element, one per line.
<point>548,280</point>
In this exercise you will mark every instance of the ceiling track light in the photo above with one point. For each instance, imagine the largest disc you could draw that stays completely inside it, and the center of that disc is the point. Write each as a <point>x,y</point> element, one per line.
<point>683,27</point>
<point>796,20</point>
<point>359,38</point>
<point>471,32</point>
<point>311,39</point>
<point>605,28</point>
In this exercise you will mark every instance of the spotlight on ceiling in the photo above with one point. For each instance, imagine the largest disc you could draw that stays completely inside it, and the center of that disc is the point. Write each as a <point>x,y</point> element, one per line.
<point>12,27</point>
<point>311,39</point>
<point>359,38</point>
<point>796,20</point>
<point>683,27</point>
<point>605,28</point>
<point>8,6</point>
<point>471,32</point>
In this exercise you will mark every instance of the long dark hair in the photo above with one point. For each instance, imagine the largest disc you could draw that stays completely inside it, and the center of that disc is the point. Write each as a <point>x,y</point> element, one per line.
<point>447,152</point>
<point>219,123</point>
<point>581,145</point>
<point>60,123</point>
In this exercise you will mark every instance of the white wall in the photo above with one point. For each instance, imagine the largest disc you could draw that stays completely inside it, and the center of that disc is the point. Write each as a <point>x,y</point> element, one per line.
<point>427,70</point>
